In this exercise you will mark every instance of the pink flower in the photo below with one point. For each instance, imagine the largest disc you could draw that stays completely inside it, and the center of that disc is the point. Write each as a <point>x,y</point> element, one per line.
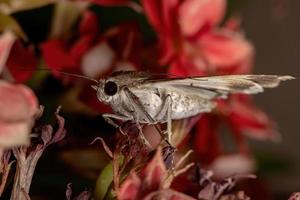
<point>18,106</point>
<point>191,43</point>
<point>153,181</point>
<point>150,179</point>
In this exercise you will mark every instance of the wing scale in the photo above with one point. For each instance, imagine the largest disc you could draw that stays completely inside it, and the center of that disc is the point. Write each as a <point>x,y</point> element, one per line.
<point>219,86</point>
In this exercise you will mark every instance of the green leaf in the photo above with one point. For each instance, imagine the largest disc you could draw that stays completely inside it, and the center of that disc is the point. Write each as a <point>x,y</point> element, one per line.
<point>9,23</point>
<point>103,182</point>
<point>65,15</point>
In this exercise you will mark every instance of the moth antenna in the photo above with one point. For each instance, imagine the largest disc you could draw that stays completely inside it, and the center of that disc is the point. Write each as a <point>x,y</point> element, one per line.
<point>65,73</point>
<point>77,75</point>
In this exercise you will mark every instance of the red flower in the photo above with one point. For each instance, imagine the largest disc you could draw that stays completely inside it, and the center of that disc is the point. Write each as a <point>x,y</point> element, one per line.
<point>64,55</point>
<point>90,53</point>
<point>117,51</point>
<point>193,43</point>
<point>153,181</point>
<point>94,54</point>
<point>110,2</point>
<point>241,116</point>
<point>18,61</point>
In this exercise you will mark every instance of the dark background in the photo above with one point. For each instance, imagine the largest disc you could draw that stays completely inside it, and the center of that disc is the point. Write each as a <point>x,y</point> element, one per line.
<point>274,28</point>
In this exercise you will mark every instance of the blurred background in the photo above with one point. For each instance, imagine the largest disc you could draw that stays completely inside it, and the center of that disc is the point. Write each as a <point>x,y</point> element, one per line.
<point>272,26</point>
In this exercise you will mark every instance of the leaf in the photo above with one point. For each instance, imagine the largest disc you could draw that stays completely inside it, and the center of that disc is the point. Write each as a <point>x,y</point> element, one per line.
<point>65,15</point>
<point>13,6</point>
<point>9,23</point>
<point>103,182</point>
<point>7,40</point>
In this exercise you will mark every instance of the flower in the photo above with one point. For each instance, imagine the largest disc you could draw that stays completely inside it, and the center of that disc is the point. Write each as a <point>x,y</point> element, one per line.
<point>202,47</point>
<point>16,61</point>
<point>117,51</point>
<point>62,55</point>
<point>27,157</point>
<point>153,181</point>
<point>93,54</point>
<point>18,106</point>
<point>193,43</point>
<point>241,116</point>
<point>110,2</point>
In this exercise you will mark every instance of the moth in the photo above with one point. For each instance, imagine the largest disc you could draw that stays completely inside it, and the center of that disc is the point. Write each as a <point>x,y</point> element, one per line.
<point>146,99</point>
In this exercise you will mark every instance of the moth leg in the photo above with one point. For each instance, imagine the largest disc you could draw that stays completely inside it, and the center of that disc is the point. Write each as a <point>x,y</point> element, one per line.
<point>143,138</point>
<point>140,109</point>
<point>108,118</point>
<point>166,111</point>
<point>169,117</point>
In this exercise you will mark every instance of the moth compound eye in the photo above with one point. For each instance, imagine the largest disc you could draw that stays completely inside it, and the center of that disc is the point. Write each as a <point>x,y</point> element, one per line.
<point>110,88</point>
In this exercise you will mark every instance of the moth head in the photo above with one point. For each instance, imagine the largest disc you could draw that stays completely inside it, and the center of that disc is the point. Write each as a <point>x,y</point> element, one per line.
<point>106,90</point>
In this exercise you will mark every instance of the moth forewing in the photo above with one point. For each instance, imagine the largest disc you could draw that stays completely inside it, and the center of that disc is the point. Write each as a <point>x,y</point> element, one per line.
<point>218,86</point>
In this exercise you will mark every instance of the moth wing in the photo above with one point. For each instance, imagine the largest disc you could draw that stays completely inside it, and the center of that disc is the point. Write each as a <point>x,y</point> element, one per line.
<point>219,86</point>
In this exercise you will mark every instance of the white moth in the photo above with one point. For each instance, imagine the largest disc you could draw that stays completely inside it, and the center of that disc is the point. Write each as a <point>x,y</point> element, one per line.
<point>142,98</point>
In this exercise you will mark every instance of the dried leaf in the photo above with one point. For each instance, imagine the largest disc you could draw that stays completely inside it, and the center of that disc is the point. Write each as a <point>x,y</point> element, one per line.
<point>240,195</point>
<point>295,196</point>
<point>214,190</point>
<point>5,166</point>
<point>27,158</point>
<point>85,195</point>
<point>106,148</point>
<point>69,191</point>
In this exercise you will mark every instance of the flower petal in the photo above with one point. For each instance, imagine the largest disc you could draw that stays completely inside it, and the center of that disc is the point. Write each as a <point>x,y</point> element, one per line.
<point>97,60</point>
<point>14,134</point>
<point>154,172</point>
<point>251,121</point>
<point>224,48</point>
<point>21,62</point>
<point>194,15</point>
<point>206,143</point>
<point>18,106</point>
<point>228,165</point>
<point>17,102</point>
<point>130,188</point>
